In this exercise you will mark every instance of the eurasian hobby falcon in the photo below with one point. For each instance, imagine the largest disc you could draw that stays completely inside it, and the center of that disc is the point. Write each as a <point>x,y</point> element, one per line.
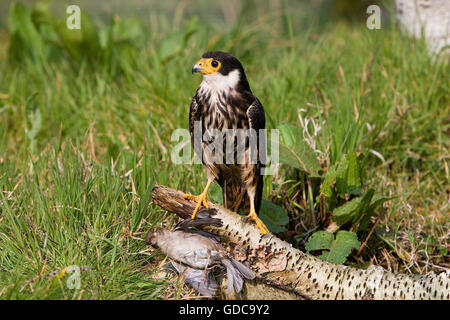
<point>224,102</point>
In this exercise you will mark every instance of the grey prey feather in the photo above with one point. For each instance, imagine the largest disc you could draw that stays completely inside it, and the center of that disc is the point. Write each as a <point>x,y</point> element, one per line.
<point>201,280</point>
<point>199,252</point>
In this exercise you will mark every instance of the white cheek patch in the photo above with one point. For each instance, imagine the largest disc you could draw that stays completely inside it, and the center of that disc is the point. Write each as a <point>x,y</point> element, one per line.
<point>218,83</point>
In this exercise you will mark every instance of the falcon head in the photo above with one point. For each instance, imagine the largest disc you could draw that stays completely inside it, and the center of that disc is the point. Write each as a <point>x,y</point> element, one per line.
<point>222,71</point>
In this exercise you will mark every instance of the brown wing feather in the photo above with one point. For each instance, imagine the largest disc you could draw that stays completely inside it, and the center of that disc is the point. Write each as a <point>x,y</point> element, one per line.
<point>235,194</point>
<point>194,115</point>
<point>257,121</point>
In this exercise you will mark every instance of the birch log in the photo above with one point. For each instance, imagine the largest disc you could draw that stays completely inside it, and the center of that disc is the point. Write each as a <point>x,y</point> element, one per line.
<point>430,16</point>
<point>278,264</point>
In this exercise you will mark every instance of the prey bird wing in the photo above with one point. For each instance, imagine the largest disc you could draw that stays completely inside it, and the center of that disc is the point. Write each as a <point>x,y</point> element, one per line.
<point>201,280</point>
<point>236,272</point>
<point>204,218</point>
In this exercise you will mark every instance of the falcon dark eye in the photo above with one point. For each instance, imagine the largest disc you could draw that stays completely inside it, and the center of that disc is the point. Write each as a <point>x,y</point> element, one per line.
<point>214,63</point>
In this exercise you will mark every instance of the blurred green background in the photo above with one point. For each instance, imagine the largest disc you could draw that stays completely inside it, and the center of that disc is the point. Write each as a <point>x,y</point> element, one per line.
<point>86,118</point>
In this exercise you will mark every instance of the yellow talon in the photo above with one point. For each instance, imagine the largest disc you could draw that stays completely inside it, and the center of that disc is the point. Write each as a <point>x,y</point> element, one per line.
<point>254,216</point>
<point>200,199</point>
<point>261,226</point>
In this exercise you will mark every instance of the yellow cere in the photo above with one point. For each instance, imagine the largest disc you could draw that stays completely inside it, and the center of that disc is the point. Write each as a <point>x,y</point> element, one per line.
<point>208,65</point>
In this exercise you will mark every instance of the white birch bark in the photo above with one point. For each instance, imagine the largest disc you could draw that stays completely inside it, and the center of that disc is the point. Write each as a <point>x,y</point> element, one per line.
<point>430,18</point>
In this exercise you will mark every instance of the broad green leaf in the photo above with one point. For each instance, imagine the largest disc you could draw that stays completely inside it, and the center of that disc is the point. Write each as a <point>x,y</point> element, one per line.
<point>273,216</point>
<point>343,178</point>
<point>352,210</point>
<point>215,193</point>
<point>348,180</point>
<point>334,172</point>
<point>378,200</point>
<point>334,250</point>
<point>365,201</point>
<point>341,247</point>
<point>296,153</point>
<point>319,240</point>
<point>341,185</point>
<point>346,212</point>
<point>353,177</point>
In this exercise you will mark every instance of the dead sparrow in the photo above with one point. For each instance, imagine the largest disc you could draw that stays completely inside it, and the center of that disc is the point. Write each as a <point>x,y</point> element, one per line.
<point>199,251</point>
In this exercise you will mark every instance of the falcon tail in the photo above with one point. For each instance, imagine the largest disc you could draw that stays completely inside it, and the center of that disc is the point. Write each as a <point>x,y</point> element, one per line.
<point>235,196</point>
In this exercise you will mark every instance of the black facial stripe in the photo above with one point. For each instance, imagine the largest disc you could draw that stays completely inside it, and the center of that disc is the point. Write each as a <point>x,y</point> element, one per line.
<point>229,64</point>
<point>228,61</point>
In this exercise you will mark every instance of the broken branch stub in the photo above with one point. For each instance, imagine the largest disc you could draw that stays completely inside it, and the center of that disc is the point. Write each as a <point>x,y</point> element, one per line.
<point>279,264</point>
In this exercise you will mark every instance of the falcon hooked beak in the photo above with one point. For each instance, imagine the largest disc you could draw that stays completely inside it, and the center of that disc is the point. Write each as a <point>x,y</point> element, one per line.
<point>206,66</point>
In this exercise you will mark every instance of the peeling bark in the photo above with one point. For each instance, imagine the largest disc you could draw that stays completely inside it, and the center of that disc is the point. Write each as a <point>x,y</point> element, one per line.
<point>282,266</point>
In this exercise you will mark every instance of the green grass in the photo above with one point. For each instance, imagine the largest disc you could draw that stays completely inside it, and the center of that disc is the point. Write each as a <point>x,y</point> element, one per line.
<point>84,139</point>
